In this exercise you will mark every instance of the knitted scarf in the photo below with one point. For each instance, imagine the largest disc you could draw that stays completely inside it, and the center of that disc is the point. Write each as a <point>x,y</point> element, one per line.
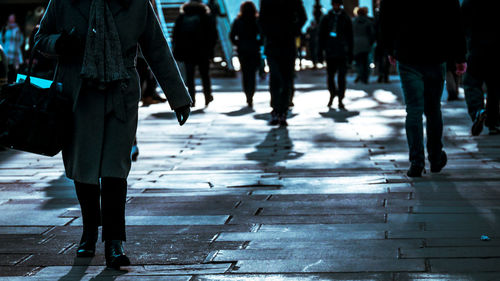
<point>103,60</point>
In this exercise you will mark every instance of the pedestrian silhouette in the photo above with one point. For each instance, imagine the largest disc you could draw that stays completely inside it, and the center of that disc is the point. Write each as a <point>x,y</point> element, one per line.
<point>483,38</point>
<point>421,49</point>
<point>245,35</point>
<point>281,22</point>
<point>336,41</point>
<point>194,39</point>
<point>364,37</point>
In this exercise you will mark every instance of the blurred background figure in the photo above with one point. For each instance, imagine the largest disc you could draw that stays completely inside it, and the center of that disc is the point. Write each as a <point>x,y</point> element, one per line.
<point>336,41</point>
<point>381,55</point>
<point>281,22</point>
<point>483,39</point>
<point>245,35</point>
<point>194,38</point>
<point>312,39</point>
<point>364,37</point>
<point>11,39</point>
<point>3,68</point>
<point>452,81</point>
<point>149,95</point>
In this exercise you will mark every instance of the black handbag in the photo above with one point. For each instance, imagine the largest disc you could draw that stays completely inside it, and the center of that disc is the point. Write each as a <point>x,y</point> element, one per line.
<point>34,119</point>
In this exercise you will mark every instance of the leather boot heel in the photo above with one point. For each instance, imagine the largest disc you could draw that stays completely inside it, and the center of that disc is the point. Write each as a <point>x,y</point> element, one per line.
<point>115,256</point>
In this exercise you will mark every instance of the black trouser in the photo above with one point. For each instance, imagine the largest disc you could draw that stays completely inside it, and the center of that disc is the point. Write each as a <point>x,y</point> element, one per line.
<point>479,73</point>
<point>282,69</point>
<point>12,74</point>
<point>203,67</point>
<point>334,65</point>
<point>104,206</point>
<point>362,66</point>
<point>148,81</point>
<point>249,66</point>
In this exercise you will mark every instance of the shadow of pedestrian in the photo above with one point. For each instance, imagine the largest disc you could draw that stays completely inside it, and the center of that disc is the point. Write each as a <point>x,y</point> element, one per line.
<point>79,272</point>
<point>61,194</point>
<point>267,116</point>
<point>276,147</point>
<point>171,115</point>
<point>340,116</point>
<point>240,112</point>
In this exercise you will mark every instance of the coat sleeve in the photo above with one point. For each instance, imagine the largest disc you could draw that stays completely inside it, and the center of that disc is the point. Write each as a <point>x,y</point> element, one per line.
<point>47,35</point>
<point>349,37</point>
<point>161,61</point>
<point>322,34</point>
<point>234,33</point>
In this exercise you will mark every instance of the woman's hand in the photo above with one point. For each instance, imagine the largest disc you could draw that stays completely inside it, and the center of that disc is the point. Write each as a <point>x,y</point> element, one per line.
<point>183,114</point>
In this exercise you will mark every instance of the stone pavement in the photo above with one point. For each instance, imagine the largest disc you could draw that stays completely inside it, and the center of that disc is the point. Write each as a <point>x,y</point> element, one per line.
<point>227,197</point>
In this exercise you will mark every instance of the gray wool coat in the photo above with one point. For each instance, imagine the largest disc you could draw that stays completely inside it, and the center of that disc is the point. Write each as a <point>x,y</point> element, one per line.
<point>105,121</point>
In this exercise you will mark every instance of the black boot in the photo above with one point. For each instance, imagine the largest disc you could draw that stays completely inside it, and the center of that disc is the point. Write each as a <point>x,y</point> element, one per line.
<point>115,256</point>
<point>114,195</point>
<point>88,196</point>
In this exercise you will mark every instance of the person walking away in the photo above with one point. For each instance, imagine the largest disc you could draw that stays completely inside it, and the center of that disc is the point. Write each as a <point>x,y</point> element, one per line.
<point>421,50</point>
<point>11,39</point>
<point>312,43</point>
<point>337,42</point>
<point>364,37</point>
<point>96,42</point>
<point>194,37</point>
<point>281,22</point>
<point>245,35</point>
<point>483,39</point>
<point>381,55</point>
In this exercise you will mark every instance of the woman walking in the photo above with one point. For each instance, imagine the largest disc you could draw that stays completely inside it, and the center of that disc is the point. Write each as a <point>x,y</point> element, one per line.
<point>245,35</point>
<point>96,44</point>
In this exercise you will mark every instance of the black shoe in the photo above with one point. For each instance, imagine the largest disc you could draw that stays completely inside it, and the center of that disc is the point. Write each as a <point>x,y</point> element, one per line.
<point>86,248</point>
<point>134,153</point>
<point>477,126</point>
<point>115,256</point>
<point>341,106</point>
<point>493,131</point>
<point>274,119</point>
<point>415,171</point>
<point>330,102</point>
<point>208,99</point>
<point>437,167</point>
<point>282,120</point>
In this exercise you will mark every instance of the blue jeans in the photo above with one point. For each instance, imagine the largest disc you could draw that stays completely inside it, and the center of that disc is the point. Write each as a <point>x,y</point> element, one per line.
<point>422,88</point>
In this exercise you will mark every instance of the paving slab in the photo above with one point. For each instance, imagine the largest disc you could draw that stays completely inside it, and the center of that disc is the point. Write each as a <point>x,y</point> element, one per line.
<point>332,265</point>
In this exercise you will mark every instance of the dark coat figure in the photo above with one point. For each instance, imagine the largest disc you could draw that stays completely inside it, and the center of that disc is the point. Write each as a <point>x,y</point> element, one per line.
<point>312,36</point>
<point>281,22</point>
<point>3,68</point>
<point>483,41</point>
<point>194,38</point>
<point>96,42</point>
<point>381,60</point>
<point>336,41</point>
<point>421,49</point>
<point>364,37</point>
<point>246,36</point>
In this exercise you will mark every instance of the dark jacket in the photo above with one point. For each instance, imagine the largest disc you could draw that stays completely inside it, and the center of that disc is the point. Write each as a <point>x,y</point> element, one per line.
<point>336,35</point>
<point>246,36</point>
<point>281,22</point>
<point>481,29</point>
<point>195,33</point>
<point>364,34</point>
<point>423,32</point>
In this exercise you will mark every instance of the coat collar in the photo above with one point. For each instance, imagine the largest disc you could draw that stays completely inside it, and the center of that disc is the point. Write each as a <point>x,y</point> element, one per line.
<point>115,6</point>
